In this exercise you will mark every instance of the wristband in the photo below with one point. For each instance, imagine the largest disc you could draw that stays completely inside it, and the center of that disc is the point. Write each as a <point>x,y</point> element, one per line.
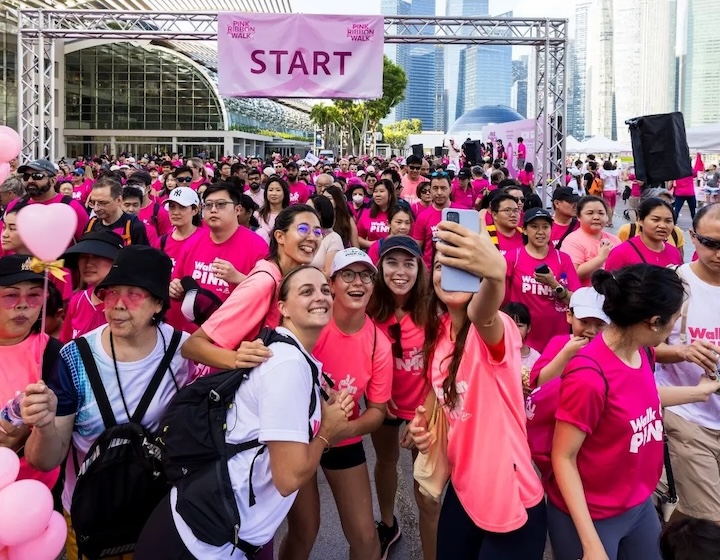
<point>327,443</point>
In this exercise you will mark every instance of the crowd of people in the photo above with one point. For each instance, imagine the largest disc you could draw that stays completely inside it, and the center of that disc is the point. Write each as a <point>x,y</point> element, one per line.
<point>304,304</point>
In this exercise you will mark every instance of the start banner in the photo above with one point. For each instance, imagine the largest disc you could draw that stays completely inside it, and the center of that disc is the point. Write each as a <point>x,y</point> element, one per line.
<point>300,55</point>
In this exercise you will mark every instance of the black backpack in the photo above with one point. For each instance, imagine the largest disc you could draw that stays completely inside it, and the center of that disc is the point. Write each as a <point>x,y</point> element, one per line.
<point>121,481</point>
<point>195,454</point>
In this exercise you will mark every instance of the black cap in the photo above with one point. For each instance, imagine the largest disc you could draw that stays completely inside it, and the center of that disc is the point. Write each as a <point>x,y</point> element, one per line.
<point>105,244</point>
<point>140,177</point>
<point>464,173</point>
<point>536,213</point>
<point>41,165</point>
<point>565,193</point>
<point>142,267</point>
<point>402,243</point>
<point>16,268</point>
<point>292,165</point>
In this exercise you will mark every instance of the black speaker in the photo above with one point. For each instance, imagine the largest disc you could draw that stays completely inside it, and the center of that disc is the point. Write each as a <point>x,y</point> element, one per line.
<point>418,150</point>
<point>660,147</point>
<point>472,153</point>
<point>438,151</point>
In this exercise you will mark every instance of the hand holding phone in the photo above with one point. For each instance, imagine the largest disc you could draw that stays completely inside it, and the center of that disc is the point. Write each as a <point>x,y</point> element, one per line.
<point>454,279</point>
<point>542,269</point>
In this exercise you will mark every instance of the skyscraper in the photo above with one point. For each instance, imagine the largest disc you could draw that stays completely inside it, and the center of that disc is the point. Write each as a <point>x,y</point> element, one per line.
<point>487,73</point>
<point>644,54</point>
<point>577,83</point>
<point>519,91</point>
<point>600,85</point>
<point>453,68</point>
<point>424,96</point>
<point>701,91</point>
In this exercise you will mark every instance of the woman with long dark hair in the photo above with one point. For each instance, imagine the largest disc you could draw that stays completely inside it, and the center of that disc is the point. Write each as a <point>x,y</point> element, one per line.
<point>277,198</point>
<point>373,225</point>
<point>344,223</point>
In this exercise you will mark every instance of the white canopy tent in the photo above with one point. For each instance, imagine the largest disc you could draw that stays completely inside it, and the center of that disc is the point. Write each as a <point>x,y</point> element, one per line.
<point>602,145</point>
<point>705,139</point>
<point>573,145</point>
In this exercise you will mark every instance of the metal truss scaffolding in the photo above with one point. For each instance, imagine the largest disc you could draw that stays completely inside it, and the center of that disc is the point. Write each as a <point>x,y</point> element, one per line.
<point>39,30</point>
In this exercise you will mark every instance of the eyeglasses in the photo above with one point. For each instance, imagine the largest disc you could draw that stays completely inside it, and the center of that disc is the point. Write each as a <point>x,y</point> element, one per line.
<point>306,229</point>
<point>132,298</point>
<point>34,176</point>
<point>510,211</point>
<point>100,203</point>
<point>12,299</point>
<point>348,276</point>
<point>439,174</point>
<point>707,242</point>
<point>394,332</point>
<point>183,179</point>
<point>219,204</point>
<point>414,167</point>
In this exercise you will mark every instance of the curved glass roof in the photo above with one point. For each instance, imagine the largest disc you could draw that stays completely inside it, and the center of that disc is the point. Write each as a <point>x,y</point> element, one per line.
<point>477,118</point>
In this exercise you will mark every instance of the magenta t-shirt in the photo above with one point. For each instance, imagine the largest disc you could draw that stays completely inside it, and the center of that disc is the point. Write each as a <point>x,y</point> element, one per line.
<point>243,249</point>
<point>82,191</point>
<point>375,228</point>
<point>525,178</point>
<point>424,231</point>
<point>521,150</point>
<point>547,312</point>
<point>464,198</point>
<point>508,245</point>
<point>634,251</point>
<point>621,459</point>
<point>558,230</point>
<point>82,316</point>
<point>299,193</point>
<point>82,215</point>
<point>685,186</point>
<point>162,225</point>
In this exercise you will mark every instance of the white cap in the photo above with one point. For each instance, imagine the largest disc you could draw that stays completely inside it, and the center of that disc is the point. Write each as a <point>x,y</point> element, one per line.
<point>130,160</point>
<point>269,171</point>
<point>123,166</point>
<point>586,302</point>
<point>346,257</point>
<point>370,169</point>
<point>184,196</point>
<point>114,167</point>
<point>361,173</point>
<point>452,167</point>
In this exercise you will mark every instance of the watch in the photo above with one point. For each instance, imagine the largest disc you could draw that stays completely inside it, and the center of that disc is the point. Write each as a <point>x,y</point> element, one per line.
<point>561,291</point>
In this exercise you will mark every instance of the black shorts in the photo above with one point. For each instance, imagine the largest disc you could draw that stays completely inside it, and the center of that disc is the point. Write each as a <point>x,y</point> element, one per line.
<point>344,457</point>
<point>393,421</point>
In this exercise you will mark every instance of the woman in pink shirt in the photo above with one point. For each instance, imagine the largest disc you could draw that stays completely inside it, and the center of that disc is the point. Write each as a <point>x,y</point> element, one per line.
<point>607,454</point>
<point>373,224</point>
<point>526,175</point>
<point>277,197</point>
<point>401,222</point>
<point>656,222</point>
<point>684,191</point>
<point>425,199</point>
<point>398,308</point>
<point>589,246</point>
<point>494,506</point>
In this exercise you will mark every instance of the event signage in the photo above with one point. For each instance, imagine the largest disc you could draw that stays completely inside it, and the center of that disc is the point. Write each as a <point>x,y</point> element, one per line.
<point>300,55</point>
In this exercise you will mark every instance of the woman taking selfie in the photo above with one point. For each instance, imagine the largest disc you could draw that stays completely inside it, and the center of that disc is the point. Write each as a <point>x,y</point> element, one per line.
<point>494,506</point>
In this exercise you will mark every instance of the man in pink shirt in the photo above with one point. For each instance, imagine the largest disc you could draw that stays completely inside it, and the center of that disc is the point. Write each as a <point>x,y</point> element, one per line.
<point>427,222</point>
<point>521,153</point>
<point>412,179</point>
<point>299,192</point>
<point>463,194</point>
<point>152,214</point>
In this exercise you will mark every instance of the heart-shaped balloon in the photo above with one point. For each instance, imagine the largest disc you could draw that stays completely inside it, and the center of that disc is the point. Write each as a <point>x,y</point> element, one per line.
<point>45,546</point>
<point>10,144</point>
<point>9,467</point>
<point>4,172</point>
<point>47,230</point>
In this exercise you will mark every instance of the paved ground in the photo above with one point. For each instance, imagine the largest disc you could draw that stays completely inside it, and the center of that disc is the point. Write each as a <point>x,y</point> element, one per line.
<point>331,544</point>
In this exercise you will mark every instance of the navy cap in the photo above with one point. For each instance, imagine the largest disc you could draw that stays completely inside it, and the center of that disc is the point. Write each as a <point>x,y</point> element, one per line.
<point>402,243</point>
<point>41,165</point>
<point>464,173</point>
<point>535,213</point>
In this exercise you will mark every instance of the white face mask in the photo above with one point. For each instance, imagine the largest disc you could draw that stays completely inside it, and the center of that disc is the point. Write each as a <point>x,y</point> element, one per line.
<point>358,198</point>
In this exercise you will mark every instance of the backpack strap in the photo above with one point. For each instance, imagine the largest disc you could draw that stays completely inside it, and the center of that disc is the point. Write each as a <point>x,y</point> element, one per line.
<point>127,235</point>
<point>66,199</point>
<point>96,382</point>
<point>568,231</point>
<point>637,250</point>
<point>675,237</point>
<point>633,230</point>
<point>156,211</point>
<point>22,203</point>
<point>90,225</point>
<point>152,388</point>
<point>163,241</point>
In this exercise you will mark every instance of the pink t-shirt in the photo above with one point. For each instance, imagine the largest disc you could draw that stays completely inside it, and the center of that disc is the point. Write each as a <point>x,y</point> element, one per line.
<point>375,228</point>
<point>547,312</point>
<point>634,251</point>
<point>374,252</point>
<point>409,191</point>
<point>195,185</point>
<point>685,186</point>
<point>493,476</point>
<point>465,198</point>
<point>541,406</point>
<point>409,385</point>
<point>558,230</point>
<point>583,247</point>
<point>20,366</point>
<point>81,316</point>
<point>82,214</point>
<point>82,191</point>
<point>619,410</point>
<point>521,150</point>
<point>525,178</point>
<point>424,231</point>
<point>360,363</point>
<point>250,307</point>
<point>509,245</point>
<point>160,224</point>
<point>243,249</point>
<point>299,193</point>
<point>418,208</point>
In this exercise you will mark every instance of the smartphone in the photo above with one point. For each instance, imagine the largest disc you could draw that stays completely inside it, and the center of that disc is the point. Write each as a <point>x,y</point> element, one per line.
<point>542,269</point>
<point>453,279</point>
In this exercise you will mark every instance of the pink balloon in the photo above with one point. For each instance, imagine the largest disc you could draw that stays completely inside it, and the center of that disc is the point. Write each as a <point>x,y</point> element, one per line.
<point>47,546</point>
<point>47,230</point>
<point>9,466</point>
<point>10,144</point>
<point>25,508</point>
<point>4,172</point>
<point>4,552</point>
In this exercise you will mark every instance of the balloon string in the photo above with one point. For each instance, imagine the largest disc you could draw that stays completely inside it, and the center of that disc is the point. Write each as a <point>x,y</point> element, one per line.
<point>43,312</point>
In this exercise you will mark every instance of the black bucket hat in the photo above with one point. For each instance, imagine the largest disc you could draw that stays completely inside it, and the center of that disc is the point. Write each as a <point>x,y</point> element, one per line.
<point>141,266</point>
<point>105,244</point>
<point>16,268</point>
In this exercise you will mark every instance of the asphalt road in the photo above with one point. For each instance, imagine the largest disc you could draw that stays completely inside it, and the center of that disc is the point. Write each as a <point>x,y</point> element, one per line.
<point>331,544</point>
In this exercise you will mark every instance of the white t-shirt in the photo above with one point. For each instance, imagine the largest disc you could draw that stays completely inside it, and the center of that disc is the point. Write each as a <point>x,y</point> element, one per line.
<point>703,323</point>
<point>610,179</point>
<point>75,396</point>
<point>331,242</point>
<point>272,405</point>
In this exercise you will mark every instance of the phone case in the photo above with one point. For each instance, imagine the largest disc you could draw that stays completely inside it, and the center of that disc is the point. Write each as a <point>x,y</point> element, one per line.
<point>453,279</point>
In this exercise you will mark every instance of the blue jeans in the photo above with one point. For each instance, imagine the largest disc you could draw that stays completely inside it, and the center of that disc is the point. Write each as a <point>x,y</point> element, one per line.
<point>680,200</point>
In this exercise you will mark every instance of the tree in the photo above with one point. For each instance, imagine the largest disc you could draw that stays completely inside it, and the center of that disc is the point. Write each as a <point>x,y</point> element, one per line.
<point>396,134</point>
<point>353,119</point>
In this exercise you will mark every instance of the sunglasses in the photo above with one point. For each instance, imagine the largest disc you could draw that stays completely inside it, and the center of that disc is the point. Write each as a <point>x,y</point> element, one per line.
<point>414,167</point>
<point>183,179</point>
<point>439,174</point>
<point>34,176</point>
<point>132,298</point>
<point>12,299</point>
<point>707,242</point>
<point>394,332</point>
